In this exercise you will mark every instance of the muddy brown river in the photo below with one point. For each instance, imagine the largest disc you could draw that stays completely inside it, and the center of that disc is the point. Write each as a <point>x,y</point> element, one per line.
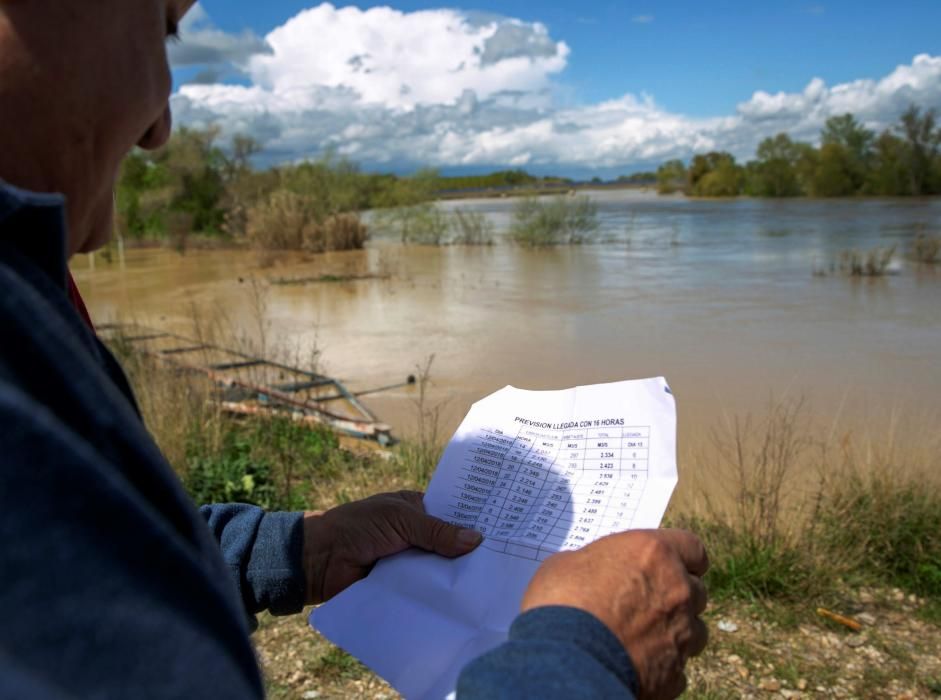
<point>719,297</point>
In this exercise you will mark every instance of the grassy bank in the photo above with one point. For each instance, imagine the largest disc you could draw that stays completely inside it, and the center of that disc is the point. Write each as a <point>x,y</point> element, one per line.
<point>794,522</point>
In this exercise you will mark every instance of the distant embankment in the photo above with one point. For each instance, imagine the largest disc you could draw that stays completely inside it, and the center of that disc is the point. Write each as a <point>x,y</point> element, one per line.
<point>535,190</point>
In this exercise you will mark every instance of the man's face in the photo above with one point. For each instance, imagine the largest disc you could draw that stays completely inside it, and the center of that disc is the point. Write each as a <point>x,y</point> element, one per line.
<point>100,84</point>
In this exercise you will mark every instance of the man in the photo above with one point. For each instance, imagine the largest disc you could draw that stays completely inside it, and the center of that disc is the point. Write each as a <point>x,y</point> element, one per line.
<point>111,583</point>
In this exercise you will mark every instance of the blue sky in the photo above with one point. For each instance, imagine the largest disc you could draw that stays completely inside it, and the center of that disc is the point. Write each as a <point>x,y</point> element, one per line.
<point>693,61</point>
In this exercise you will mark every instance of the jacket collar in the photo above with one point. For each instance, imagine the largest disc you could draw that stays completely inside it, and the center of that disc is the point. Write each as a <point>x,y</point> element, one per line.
<point>33,224</point>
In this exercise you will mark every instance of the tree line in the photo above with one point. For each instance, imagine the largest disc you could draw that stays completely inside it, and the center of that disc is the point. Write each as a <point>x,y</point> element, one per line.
<point>193,184</point>
<point>851,160</point>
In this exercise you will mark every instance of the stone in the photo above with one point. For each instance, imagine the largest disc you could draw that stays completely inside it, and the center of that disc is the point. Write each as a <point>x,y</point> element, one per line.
<point>772,685</point>
<point>727,626</point>
<point>802,684</point>
<point>855,641</point>
<point>311,695</point>
<point>867,618</point>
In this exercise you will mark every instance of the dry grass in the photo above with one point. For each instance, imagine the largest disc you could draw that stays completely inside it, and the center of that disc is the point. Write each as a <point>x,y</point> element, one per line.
<point>789,510</point>
<point>290,221</point>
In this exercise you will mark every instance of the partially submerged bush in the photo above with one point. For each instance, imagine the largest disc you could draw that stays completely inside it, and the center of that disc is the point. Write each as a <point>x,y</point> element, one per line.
<point>471,228</point>
<point>421,224</point>
<point>428,224</point>
<point>926,249</point>
<point>286,220</point>
<point>867,263</point>
<point>558,221</point>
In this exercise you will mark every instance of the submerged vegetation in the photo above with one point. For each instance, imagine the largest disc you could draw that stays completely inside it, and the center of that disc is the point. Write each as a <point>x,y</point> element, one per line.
<point>850,161</point>
<point>556,221</point>
<point>926,249</point>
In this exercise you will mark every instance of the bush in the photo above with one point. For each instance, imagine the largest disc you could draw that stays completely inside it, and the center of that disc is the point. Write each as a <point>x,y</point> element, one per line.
<point>230,476</point>
<point>473,228</point>
<point>421,224</point>
<point>286,220</point>
<point>558,221</point>
<point>926,249</point>
<point>871,263</point>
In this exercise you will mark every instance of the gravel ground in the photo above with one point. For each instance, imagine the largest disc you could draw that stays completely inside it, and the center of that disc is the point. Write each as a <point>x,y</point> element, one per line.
<point>757,650</point>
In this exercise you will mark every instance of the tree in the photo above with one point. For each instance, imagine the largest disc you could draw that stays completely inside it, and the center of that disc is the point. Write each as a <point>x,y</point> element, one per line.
<point>923,139</point>
<point>833,176</point>
<point>243,148</point>
<point>889,176</point>
<point>775,172</point>
<point>856,141</point>
<point>715,174</point>
<point>671,177</point>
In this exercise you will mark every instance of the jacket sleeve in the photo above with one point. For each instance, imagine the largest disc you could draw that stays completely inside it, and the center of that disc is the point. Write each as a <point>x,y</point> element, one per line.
<point>552,652</point>
<point>263,552</point>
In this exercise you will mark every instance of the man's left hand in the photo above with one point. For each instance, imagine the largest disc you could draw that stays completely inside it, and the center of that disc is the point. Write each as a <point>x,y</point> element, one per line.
<point>342,544</point>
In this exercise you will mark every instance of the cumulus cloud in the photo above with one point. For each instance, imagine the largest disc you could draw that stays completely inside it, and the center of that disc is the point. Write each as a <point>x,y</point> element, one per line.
<point>447,88</point>
<point>204,45</point>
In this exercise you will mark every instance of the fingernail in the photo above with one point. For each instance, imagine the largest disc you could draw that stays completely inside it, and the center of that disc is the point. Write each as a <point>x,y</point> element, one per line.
<point>469,538</point>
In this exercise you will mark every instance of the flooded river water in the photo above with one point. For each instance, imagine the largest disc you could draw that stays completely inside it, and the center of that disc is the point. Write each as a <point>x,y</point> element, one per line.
<point>717,296</point>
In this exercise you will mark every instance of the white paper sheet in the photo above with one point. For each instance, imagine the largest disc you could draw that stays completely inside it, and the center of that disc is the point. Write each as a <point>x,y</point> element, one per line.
<point>537,472</point>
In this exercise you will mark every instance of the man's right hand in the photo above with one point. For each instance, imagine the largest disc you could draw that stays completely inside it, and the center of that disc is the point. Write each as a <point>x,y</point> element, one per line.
<point>646,587</point>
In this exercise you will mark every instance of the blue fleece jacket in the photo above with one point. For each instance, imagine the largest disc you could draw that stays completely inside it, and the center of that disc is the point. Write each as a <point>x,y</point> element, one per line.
<point>111,583</point>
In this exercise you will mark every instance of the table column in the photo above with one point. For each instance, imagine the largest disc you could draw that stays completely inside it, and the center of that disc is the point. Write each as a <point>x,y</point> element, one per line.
<point>555,505</point>
<point>594,487</point>
<point>632,478</point>
<point>483,465</point>
<point>521,509</point>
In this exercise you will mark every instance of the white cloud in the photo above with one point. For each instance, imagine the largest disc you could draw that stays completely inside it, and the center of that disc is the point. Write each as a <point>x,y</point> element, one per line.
<point>447,88</point>
<point>401,60</point>
<point>202,44</point>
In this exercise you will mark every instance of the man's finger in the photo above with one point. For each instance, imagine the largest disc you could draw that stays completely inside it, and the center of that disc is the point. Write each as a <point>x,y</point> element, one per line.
<point>699,598</point>
<point>413,498</point>
<point>690,549</point>
<point>437,536</point>
<point>699,638</point>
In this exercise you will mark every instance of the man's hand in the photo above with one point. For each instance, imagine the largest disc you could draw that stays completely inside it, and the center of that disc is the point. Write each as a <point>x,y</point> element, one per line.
<point>342,544</point>
<point>646,586</point>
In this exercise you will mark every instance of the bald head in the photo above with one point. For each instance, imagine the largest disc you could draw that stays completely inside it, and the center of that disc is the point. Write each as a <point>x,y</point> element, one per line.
<point>81,83</point>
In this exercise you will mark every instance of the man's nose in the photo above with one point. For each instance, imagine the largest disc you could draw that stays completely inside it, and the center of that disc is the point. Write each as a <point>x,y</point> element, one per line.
<point>159,132</point>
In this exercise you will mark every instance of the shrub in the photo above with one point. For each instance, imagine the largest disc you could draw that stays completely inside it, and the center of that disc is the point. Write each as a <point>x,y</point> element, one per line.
<point>927,249</point>
<point>559,221</point>
<point>473,228</point>
<point>421,224</point>
<point>337,232</point>
<point>871,263</point>
<point>286,220</point>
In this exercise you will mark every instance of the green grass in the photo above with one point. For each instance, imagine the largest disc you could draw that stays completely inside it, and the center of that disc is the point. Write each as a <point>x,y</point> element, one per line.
<point>336,664</point>
<point>891,531</point>
<point>931,612</point>
<point>269,463</point>
<point>743,568</point>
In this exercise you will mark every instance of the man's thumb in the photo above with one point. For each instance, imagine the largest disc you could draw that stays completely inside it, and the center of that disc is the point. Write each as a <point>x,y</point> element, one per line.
<point>443,538</point>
